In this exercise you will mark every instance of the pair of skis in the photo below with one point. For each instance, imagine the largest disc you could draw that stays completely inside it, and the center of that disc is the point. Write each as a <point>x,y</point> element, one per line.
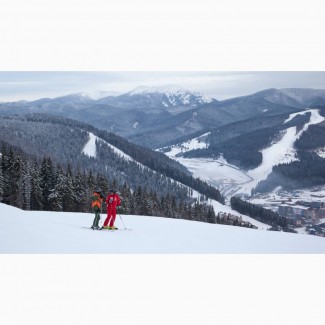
<point>110,229</point>
<point>128,229</point>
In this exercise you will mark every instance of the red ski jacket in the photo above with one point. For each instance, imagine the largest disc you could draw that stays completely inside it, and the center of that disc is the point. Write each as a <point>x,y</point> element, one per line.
<point>113,200</point>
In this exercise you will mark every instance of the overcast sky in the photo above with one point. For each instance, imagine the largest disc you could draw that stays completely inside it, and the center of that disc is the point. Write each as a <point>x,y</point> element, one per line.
<point>220,85</point>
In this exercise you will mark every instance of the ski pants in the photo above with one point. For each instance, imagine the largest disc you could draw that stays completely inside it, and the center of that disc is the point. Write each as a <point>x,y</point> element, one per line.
<point>97,216</point>
<point>111,216</point>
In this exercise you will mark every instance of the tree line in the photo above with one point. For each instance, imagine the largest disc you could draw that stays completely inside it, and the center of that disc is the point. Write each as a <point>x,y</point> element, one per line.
<point>259,213</point>
<point>41,185</point>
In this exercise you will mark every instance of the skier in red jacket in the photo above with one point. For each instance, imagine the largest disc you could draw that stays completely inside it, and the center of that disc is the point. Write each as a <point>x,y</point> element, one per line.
<point>112,201</point>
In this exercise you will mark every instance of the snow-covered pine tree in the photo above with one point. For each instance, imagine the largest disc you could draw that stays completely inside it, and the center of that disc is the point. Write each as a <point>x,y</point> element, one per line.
<point>56,195</point>
<point>166,205</point>
<point>103,184</point>
<point>154,204</point>
<point>80,191</point>
<point>27,185</point>
<point>137,200</point>
<point>211,216</point>
<point>125,200</point>
<point>145,204</point>
<point>17,184</point>
<point>7,168</point>
<point>1,184</point>
<point>47,181</point>
<point>69,197</point>
<point>36,190</point>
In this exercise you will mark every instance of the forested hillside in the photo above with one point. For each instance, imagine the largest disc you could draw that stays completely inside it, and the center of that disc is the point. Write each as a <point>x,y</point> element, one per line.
<point>63,140</point>
<point>40,185</point>
<point>49,151</point>
<point>309,170</point>
<point>241,142</point>
<point>259,213</point>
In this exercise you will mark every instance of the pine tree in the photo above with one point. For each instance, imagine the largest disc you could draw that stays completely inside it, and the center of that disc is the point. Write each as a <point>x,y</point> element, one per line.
<point>36,190</point>
<point>80,191</point>
<point>126,195</point>
<point>166,205</point>
<point>7,169</point>
<point>68,193</point>
<point>2,184</point>
<point>27,186</point>
<point>17,182</point>
<point>57,193</point>
<point>145,204</point>
<point>211,217</point>
<point>5,175</point>
<point>154,204</point>
<point>137,200</point>
<point>173,207</point>
<point>89,189</point>
<point>47,182</point>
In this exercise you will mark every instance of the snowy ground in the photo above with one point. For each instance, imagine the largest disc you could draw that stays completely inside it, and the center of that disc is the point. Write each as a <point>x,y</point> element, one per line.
<point>55,232</point>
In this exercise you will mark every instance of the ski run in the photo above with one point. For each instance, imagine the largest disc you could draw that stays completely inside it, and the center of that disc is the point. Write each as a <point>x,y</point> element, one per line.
<point>41,232</point>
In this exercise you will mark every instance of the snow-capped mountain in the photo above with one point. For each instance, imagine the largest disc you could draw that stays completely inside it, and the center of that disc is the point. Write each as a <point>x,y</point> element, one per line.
<point>169,96</point>
<point>176,95</point>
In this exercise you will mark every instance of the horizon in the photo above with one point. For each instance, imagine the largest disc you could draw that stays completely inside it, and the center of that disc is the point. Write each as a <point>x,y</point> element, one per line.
<point>29,86</point>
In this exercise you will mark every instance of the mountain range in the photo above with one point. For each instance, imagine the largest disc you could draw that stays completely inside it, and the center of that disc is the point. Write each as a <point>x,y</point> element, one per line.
<point>155,117</point>
<point>238,128</point>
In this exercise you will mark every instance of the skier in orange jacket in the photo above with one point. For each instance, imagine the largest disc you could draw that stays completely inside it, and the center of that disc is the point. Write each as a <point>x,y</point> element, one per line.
<point>96,203</point>
<point>112,200</point>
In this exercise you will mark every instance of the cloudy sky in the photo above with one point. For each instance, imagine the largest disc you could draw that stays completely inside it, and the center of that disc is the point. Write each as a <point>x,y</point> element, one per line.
<point>220,85</point>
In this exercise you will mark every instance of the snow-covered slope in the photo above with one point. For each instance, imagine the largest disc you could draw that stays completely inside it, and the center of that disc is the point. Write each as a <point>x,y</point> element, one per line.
<point>90,148</point>
<point>228,178</point>
<point>55,232</point>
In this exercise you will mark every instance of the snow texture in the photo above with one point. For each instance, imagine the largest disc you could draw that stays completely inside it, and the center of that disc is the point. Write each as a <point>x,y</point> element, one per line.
<point>90,147</point>
<point>40,232</point>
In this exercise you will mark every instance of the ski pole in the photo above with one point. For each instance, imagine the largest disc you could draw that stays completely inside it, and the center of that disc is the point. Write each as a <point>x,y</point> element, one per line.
<point>122,221</point>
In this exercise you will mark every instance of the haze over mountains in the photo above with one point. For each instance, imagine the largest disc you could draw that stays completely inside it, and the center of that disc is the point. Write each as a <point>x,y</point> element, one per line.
<point>155,117</point>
